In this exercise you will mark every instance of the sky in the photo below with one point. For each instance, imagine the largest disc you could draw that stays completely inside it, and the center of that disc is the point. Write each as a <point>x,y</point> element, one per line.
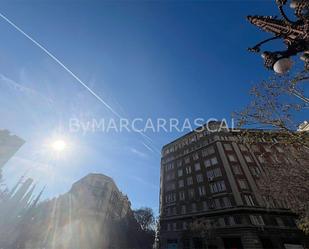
<point>144,59</point>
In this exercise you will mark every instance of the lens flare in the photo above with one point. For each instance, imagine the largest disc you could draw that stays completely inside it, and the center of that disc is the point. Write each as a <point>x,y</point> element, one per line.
<point>59,145</point>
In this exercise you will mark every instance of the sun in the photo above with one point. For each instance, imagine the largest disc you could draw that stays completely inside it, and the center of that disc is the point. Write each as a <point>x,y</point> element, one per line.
<point>59,145</point>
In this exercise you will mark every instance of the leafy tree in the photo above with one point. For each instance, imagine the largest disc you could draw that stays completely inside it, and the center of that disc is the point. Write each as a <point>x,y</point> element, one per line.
<point>145,218</point>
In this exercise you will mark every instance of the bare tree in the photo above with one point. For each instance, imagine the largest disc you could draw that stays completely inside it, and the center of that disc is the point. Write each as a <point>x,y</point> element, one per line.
<point>204,228</point>
<point>275,105</point>
<point>145,218</point>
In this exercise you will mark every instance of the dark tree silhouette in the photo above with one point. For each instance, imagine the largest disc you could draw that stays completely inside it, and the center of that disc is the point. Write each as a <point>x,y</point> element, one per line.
<point>145,218</point>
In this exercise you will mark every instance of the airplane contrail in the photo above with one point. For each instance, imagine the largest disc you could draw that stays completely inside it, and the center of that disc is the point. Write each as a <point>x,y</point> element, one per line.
<point>61,64</point>
<point>67,69</point>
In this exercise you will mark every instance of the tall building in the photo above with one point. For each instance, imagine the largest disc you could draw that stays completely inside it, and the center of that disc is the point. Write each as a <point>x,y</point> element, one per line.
<point>9,145</point>
<point>209,180</point>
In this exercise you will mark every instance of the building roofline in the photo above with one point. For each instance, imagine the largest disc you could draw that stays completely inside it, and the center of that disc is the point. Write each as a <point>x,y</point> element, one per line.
<point>215,132</point>
<point>13,136</point>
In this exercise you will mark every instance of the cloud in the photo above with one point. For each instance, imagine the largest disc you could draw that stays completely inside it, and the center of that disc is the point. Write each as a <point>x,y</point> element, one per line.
<point>13,85</point>
<point>138,153</point>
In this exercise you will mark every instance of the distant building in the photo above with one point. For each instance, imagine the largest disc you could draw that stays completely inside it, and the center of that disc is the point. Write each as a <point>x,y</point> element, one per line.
<point>99,193</point>
<point>304,126</point>
<point>9,145</point>
<point>16,204</point>
<point>84,217</point>
<point>212,176</point>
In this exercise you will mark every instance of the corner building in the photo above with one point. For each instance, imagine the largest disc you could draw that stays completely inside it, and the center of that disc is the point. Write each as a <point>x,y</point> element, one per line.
<point>213,176</point>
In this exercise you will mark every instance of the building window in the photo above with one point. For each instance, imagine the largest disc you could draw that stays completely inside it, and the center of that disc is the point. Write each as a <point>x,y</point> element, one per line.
<point>227,147</point>
<point>201,190</point>
<point>184,225</point>
<point>170,176</point>
<point>174,211</point>
<point>211,174</point>
<point>255,148</point>
<point>210,162</point>
<point>248,159</point>
<point>230,221</point>
<point>193,207</point>
<point>168,227</point>
<point>217,203</point>
<point>243,184</point>
<point>236,169</point>
<point>257,220</point>
<point>232,158</point>
<point>197,166</point>
<point>189,181</point>
<point>199,178</point>
<point>179,163</point>
<point>243,147</point>
<point>218,186</point>
<point>188,170</point>
<point>168,211</point>
<point>170,186</point>
<point>195,156</point>
<point>255,170</point>
<point>191,193</point>
<point>226,202</point>
<point>169,166</point>
<point>261,159</point>
<point>214,161</point>
<point>208,151</point>
<point>183,209</point>
<point>170,198</point>
<point>279,222</point>
<point>174,226</point>
<point>221,222</point>
<point>187,160</point>
<point>205,205</point>
<point>267,148</point>
<point>211,204</point>
<point>204,153</point>
<point>207,163</point>
<point>180,183</point>
<point>249,200</point>
<point>180,172</point>
<point>181,195</point>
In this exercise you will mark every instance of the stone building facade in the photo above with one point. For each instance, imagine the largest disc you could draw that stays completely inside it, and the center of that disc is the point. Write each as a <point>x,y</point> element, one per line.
<point>82,218</point>
<point>211,178</point>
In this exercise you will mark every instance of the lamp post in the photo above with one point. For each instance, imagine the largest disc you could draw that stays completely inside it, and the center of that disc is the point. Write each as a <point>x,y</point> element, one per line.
<point>295,35</point>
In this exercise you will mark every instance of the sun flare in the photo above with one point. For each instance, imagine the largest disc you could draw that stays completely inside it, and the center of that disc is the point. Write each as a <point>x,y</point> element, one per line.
<point>59,145</point>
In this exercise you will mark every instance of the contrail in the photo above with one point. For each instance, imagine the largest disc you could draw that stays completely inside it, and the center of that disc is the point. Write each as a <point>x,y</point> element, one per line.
<point>61,64</point>
<point>150,149</point>
<point>68,70</point>
<point>26,90</point>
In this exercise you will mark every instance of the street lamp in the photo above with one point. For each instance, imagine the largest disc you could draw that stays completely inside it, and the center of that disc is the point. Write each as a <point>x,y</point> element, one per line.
<point>295,35</point>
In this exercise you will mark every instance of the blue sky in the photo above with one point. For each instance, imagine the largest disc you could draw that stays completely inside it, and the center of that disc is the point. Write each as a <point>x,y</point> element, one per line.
<point>145,59</point>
